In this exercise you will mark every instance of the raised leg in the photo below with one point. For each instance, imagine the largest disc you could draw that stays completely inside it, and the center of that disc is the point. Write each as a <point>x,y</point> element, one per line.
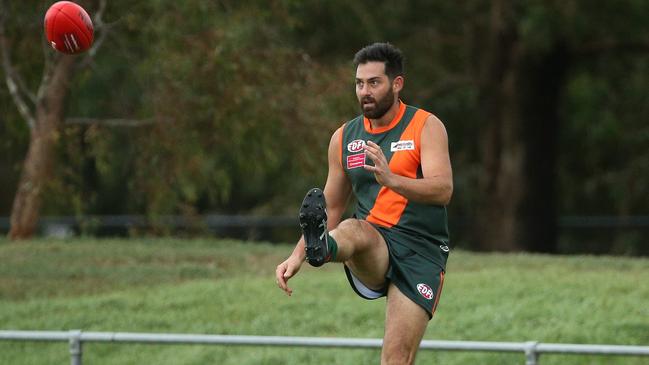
<point>362,248</point>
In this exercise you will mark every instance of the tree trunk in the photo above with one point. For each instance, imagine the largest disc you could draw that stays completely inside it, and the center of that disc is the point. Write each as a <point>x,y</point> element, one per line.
<point>502,151</point>
<point>543,78</point>
<point>37,166</point>
<point>502,181</point>
<point>519,146</point>
<point>519,92</point>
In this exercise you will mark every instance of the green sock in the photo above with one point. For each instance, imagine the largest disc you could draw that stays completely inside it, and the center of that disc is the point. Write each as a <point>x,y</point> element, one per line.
<point>332,245</point>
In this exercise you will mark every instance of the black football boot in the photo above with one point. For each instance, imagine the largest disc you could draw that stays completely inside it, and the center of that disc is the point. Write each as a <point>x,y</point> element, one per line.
<point>313,221</point>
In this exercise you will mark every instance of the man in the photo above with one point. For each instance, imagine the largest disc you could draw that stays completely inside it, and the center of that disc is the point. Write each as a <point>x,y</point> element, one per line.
<point>394,159</point>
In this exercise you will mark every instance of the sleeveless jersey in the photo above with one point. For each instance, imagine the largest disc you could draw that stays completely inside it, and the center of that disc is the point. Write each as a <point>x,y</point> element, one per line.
<point>425,224</point>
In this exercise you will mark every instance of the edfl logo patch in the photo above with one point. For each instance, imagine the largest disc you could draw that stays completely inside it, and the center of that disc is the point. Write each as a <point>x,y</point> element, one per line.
<point>355,145</point>
<point>425,291</point>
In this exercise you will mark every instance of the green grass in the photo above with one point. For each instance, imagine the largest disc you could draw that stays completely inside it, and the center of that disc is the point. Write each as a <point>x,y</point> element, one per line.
<point>227,287</point>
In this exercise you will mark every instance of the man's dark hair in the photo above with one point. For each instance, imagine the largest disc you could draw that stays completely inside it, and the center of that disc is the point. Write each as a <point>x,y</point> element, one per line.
<point>382,52</point>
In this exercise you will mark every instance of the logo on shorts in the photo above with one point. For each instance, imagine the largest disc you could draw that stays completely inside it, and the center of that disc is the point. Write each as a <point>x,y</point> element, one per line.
<point>355,145</point>
<point>443,248</point>
<point>425,291</point>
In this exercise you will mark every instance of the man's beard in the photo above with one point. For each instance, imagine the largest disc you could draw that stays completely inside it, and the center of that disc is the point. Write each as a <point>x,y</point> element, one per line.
<point>380,107</point>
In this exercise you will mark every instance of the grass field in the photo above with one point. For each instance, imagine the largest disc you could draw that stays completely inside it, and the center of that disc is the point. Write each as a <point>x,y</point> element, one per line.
<point>227,287</point>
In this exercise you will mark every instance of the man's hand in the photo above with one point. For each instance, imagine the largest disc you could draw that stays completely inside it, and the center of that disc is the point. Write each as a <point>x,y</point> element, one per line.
<point>285,271</point>
<point>381,169</point>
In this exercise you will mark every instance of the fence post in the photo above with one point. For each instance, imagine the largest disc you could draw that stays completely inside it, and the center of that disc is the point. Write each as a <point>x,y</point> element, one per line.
<point>531,356</point>
<point>75,347</point>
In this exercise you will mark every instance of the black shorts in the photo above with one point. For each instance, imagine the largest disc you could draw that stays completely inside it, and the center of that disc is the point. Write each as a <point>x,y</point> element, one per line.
<point>418,277</point>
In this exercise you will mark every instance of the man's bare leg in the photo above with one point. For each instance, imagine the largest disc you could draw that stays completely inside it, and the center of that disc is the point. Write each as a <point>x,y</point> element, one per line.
<point>405,325</point>
<point>362,248</point>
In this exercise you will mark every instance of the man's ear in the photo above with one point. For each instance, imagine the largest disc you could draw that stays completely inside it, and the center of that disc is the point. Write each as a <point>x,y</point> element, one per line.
<point>397,84</point>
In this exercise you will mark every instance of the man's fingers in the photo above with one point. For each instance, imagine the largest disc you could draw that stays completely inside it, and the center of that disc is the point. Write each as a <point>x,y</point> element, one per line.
<point>281,276</point>
<point>371,154</point>
<point>288,273</point>
<point>374,152</point>
<point>373,148</point>
<point>370,168</point>
<point>378,160</point>
<point>284,286</point>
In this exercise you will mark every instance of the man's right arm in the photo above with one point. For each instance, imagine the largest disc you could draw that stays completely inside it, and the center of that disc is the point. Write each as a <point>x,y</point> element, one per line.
<point>337,191</point>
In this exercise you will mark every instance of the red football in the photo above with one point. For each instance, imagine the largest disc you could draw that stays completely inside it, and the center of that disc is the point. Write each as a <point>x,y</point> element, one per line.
<point>68,27</point>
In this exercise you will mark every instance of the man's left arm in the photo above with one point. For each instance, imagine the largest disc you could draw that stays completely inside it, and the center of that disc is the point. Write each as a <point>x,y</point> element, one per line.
<point>436,186</point>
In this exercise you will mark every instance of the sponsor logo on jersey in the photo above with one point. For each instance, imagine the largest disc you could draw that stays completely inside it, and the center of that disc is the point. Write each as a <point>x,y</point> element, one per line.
<point>402,145</point>
<point>356,145</point>
<point>355,161</point>
<point>425,291</point>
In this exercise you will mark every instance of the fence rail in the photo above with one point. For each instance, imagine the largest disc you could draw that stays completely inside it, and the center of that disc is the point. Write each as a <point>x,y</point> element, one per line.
<point>531,349</point>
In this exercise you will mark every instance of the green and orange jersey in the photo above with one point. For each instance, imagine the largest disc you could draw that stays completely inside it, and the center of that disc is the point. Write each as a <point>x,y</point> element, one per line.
<point>400,141</point>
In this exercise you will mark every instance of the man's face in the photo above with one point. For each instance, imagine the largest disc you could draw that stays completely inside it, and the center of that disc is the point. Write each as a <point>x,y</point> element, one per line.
<point>373,89</point>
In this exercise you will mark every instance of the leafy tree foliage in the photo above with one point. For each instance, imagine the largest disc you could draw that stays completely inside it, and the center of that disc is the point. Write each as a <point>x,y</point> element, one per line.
<point>228,107</point>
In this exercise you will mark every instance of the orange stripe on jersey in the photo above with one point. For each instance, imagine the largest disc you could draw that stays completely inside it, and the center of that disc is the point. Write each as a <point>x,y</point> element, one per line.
<point>439,291</point>
<point>340,140</point>
<point>389,205</point>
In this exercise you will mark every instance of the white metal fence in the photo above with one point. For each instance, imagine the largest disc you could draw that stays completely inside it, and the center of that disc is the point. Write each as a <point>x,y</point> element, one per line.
<point>531,349</point>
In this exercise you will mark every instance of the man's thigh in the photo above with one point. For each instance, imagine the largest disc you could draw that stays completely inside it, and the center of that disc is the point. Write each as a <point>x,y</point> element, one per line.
<point>405,324</point>
<point>369,257</point>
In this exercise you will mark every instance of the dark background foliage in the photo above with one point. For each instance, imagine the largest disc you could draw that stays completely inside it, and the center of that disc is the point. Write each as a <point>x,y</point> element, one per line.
<point>226,107</point>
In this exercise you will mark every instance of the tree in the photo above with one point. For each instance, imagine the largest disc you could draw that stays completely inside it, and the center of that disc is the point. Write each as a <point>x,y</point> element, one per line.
<point>43,112</point>
<point>531,55</point>
<point>538,98</point>
<point>519,85</point>
<point>496,72</point>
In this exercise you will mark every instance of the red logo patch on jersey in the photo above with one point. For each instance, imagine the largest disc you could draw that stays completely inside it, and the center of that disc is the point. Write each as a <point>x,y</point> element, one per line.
<point>425,291</point>
<point>354,161</point>
<point>355,145</point>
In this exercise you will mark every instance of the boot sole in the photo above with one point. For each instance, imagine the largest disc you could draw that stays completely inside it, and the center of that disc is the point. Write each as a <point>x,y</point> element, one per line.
<point>312,213</point>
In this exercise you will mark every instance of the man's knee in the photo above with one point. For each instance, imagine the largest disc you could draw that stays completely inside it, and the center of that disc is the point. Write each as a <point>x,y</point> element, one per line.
<point>359,240</point>
<point>350,226</point>
<point>350,230</point>
<point>359,233</point>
